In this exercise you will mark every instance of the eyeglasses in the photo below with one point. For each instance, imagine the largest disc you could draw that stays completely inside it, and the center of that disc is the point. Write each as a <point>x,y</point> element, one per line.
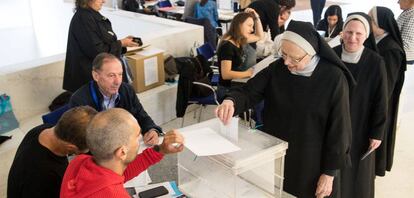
<point>295,60</point>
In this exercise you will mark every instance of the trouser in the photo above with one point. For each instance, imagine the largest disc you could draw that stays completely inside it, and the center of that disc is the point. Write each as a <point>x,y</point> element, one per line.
<point>317,7</point>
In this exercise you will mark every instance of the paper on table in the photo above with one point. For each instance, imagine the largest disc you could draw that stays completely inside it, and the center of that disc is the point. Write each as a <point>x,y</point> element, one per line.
<point>369,151</point>
<point>231,130</point>
<point>205,142</point>
<point>259,67</point>
<point>135,49</point>
<point>224,4</point>
<point>335,41</point>
<point>263,64</point>
<point>151,70</point>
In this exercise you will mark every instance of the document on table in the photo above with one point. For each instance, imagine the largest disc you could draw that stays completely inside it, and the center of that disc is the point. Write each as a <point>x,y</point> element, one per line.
<point>264,63</point>
<point>259,67</point>
<point>206,141</point>
<point>131,50</point>
<point>334,41</point>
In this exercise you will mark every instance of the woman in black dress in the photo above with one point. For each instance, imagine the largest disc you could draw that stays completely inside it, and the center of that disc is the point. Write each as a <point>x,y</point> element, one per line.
<point>90,33</point>
<point>332,22</point>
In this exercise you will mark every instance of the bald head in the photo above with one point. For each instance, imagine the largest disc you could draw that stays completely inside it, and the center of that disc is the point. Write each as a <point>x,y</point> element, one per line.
<point>108,131</point>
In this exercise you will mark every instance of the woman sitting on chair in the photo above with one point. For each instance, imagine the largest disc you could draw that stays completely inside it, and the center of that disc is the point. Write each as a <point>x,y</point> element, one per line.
<point>230,51</point>
<point>332,23</point>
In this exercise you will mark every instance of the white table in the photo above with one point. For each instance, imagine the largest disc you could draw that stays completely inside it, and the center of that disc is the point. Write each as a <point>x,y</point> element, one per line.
<point>37,33</point>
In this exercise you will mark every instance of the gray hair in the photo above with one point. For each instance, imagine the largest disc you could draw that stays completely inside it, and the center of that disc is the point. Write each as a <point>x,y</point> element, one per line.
<point>101,59</point>
<point>108,131</point>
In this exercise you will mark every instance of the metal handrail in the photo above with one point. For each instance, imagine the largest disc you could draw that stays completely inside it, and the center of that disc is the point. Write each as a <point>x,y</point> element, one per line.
<point>211,88</point>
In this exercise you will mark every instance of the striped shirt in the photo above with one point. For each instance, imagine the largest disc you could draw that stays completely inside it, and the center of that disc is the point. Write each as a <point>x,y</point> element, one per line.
<point>406,25</point>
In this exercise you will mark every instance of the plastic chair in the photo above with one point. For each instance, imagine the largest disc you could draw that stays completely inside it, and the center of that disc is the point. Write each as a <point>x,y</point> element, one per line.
<point>54,116</point>
<point>164,4</point>
<point>203,101</point>
<point>210,34</point>
<point>208,52</point>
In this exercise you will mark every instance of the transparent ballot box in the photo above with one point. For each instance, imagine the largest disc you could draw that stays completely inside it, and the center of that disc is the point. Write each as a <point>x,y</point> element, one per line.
<point>255,171</point>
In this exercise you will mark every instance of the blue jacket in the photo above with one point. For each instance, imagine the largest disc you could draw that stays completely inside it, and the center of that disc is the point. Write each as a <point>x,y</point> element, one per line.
<point>209,11</point>
<point>128,100</point>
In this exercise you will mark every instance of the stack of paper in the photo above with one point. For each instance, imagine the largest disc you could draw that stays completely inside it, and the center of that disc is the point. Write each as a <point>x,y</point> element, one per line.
<point>205,142</point>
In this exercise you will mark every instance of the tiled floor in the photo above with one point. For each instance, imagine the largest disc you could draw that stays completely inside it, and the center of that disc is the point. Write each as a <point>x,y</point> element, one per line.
<point>398,183</point>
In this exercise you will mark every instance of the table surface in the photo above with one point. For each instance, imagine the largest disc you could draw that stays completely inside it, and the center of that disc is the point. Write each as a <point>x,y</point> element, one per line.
<point>224,15</point>
<point>37,33</point>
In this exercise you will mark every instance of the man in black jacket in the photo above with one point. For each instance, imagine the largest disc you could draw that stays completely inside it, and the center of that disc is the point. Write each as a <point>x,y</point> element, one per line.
<point>269,11</point>
<point>136,6</point>
<point>108,91</point>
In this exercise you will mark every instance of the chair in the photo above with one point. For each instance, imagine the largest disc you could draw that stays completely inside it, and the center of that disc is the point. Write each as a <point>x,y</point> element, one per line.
<point>193,84</point>
<point>164,4</point>
<point>210,35</point>
<point>208,52</point>
<point>54,116</point>
<point>202,101</point>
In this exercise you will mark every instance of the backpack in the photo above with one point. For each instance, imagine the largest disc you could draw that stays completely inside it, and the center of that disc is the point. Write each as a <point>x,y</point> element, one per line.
<point>60,100</point>
<point>170,68</point>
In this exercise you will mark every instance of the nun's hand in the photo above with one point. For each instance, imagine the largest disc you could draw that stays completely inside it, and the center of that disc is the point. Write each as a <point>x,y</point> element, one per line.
<point>324,187</point>
<point>374,144</point>
<point>225,111</point>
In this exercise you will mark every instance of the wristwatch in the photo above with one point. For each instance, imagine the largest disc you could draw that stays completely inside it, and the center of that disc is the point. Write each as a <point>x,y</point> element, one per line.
<point>156,148</point>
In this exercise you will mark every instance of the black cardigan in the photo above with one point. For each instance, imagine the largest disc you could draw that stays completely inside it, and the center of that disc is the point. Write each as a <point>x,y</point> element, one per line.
<point>90,33</point>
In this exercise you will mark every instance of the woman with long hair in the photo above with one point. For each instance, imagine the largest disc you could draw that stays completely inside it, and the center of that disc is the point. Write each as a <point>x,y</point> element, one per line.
<point>245,28</point>
<point>332,22</point>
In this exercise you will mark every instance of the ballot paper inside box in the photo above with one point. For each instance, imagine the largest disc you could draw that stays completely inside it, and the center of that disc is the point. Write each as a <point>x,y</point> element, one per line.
<point>256,170</point>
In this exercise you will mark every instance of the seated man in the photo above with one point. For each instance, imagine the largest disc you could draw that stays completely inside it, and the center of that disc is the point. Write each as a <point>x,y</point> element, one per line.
<point>112,137</point>
<point>40,161</point>
<point>137,6</point>
<point>108,91</point>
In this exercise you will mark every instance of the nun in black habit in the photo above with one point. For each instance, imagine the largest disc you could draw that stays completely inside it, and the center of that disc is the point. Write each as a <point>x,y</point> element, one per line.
<point>390,46</point>
<point>306,103</point>
<point>368,101</point>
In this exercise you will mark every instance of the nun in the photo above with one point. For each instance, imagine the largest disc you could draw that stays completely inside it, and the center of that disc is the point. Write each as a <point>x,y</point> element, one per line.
<point>390,46</point>
<point>306,103</point>
<point>368,102</point>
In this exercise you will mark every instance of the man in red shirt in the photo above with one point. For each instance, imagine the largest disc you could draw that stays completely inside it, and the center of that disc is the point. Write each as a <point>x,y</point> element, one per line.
<point>112,138</point>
